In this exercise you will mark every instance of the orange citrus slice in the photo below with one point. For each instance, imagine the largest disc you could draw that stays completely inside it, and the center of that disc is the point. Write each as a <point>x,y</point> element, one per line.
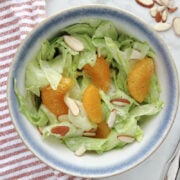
<point>100,73</point>
<point>139,77</point>
<point>54,99</point>
<point>92,103</point>
<point>102,130</point>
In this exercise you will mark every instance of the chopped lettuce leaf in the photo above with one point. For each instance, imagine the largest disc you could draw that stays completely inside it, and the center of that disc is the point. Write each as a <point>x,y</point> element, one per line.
<point>81,28</point>
<point>95,144</point>
<point>129,127</point>
<point>46,52</point>
<point>119,56</point>
<point>106,29</point>
<point>91,144</point>
<point>52,71</point>
<point>154,91</point>
<point>146,109</point>
<point>34,77</point>
<point>28,109</point>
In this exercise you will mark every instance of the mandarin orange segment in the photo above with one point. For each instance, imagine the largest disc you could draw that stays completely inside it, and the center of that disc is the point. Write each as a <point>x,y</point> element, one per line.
<point>54,99</point>
<point>102,130</point>
<point>100,73</point>
<point>92,103</point>
<point>139,77</point>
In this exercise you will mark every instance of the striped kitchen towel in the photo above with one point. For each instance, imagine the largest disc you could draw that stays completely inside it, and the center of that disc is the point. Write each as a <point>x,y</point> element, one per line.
<point>17,19</point>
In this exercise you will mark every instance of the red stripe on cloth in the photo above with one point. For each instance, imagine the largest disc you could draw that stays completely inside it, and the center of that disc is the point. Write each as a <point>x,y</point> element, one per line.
<point>3,75</point>
<point>15,153</point>
<point>7,24</point>
<point>4,116</point>
<point>2,100</point>
<point>7,57</point>
<point>25,9</point>
<point>7,132</point>
<point>9,139</point>
<point>17,160</point>
<point>8,147</point>
<point>8,123</point>
<point>29,173</point>
<point>3,108</point>
<point>3,83</point>
<point>10,31</point>
<point>22,4</point>
<point>6,65</point>
<point>9,48</point>
<point>9,40</point>
<point>19,168</point>
<point>17,19</point>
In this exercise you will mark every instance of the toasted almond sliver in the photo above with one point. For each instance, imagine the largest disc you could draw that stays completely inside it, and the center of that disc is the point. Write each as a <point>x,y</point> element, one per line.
<point>125,138</point>
<point>172,9</point>
<point>159,2</point>
<point>158,17</point>
<point>72,105</point>
<point>176,25</point>
<point>111,118</point>
<point>167,3</point>
<point>80,151</point>
<point>153,11</point>
<point>162,26</point>
<point>164,15</point>
<point>74,43</point>
<point>146,3</point>
<point>90,134</point>
<point>161,8</point>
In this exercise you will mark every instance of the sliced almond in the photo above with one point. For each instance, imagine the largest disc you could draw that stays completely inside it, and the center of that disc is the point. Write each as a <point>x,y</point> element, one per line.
<point>89,134</point>
<point>172,9</point>
<point>158,17</point>
<point>158,2</point>
<point>161,8</point>
<point>164,15</point>
<point>176,25</point>
<point>80,151</point>
<point>166,2</point>
<point>126,138</point>
<point>111,118</point>
<point>63,118</point>
<point>72,105</point>
<point>121,102</point>
<point>73,43</point>
<point>153,11</point>
<point>146,3</point>
<point>162,26</point>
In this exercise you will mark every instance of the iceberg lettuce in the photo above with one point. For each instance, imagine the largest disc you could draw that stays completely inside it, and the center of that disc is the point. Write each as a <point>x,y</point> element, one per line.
<point>56,59</point>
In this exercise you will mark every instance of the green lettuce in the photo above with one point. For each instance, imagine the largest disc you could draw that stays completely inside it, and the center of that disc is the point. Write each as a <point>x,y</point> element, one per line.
<point>56,59</point>
<point>94,144</point>
<point>37,116</point>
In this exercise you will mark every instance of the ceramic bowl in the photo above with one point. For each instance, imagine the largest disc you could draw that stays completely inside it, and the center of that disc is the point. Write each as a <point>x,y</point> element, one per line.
<point>116,161</point>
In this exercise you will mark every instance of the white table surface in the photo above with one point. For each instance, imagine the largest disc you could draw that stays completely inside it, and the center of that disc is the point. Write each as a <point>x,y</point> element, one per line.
<point>152,167</point>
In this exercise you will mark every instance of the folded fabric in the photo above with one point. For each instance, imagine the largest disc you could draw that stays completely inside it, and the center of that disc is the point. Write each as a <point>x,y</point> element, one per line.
<point>17,19</point>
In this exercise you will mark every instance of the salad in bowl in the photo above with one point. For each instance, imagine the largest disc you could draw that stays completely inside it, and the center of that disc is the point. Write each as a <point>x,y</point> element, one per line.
<point>91,86</point>
<point>93,91</point>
